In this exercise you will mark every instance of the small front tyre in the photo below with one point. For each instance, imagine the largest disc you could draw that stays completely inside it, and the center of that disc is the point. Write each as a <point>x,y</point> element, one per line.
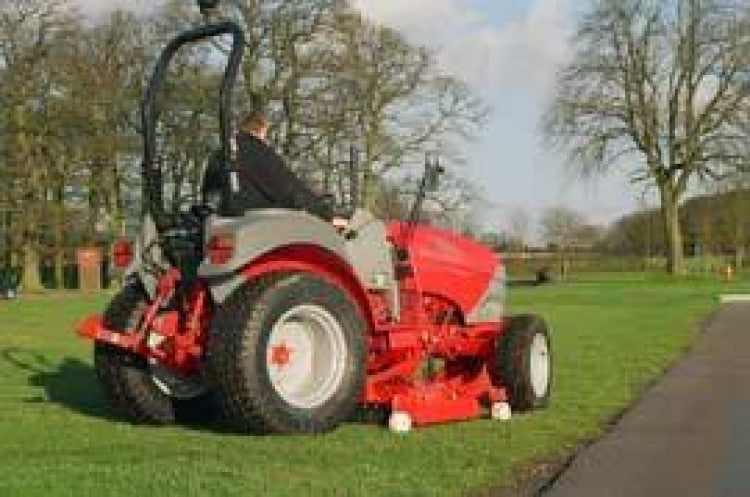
<point>524,362</point>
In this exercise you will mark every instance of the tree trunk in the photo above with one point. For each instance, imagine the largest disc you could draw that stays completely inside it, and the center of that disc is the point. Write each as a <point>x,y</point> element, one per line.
<point>739,257</point>
<point>59,231</point>
<point>563,265</point>
<point>59,268</point>
<point>739,237</point>
<point>670,205</point>
<point>31,278</point>
<point>31,281</point>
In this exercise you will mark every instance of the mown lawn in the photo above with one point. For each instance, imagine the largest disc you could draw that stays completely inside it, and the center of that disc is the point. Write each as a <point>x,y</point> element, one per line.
<point>612,335</point>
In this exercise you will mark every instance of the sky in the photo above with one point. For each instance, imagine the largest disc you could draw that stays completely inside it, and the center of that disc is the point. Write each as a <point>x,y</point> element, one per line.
<point>509,52</point>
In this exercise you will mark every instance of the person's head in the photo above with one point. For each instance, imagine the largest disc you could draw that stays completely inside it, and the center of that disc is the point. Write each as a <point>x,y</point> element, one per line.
<point>255,123</point>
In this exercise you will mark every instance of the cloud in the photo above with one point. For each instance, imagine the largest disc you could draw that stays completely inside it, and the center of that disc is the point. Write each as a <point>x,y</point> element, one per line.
<point>521,54</point>
<point>96,8</point>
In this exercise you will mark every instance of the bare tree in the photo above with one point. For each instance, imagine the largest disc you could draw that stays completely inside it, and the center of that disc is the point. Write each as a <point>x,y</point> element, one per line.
<point>659,88</point>
<point>331,77</point>
<point>400,105</point>
<point>519,227</point>
<point>564,230</point>
<point>561,227</point>
<point>733,195</point>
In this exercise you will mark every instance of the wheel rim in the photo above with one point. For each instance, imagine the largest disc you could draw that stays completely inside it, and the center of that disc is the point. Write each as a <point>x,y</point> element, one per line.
<point>306,356</point>
<point>539,365</point>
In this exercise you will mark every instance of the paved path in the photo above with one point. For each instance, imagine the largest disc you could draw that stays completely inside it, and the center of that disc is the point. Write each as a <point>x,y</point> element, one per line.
<point>690,434</point>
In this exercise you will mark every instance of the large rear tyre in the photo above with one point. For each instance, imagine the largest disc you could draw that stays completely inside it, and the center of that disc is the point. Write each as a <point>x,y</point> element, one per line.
<point>142,391</point>
<point>286,354</point>
<point>524,362</point>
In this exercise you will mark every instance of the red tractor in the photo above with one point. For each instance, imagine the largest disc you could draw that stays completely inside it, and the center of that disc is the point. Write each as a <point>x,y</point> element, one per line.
<point>289,324</point>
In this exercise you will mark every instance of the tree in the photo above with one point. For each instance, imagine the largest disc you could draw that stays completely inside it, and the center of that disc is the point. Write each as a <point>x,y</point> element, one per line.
<point>720,220</point>
<point>336,87</point>
<point>564,230</point>
<point>661,89</point>
<point>737,207</point>
<point>519,227</point>
<point>30,32</point>
<point>332,78</point>
<point>561,227</point>
<point>401,106</point>
<point>637,233</point>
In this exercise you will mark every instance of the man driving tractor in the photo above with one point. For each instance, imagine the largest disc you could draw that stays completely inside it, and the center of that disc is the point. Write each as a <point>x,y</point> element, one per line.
<point>265,182</point>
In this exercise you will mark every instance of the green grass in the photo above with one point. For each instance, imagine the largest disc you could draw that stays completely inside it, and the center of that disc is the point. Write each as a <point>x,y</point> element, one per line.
<point>612,336</point>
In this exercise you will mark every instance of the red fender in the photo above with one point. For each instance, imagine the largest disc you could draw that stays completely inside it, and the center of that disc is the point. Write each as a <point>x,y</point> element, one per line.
<point>318,261</point>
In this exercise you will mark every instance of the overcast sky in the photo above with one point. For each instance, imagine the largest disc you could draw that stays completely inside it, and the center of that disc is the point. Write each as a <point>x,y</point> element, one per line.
<point>509,51</point>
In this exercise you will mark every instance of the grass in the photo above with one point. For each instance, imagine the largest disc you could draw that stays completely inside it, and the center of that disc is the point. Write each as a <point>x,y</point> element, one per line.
<point>613,335</point>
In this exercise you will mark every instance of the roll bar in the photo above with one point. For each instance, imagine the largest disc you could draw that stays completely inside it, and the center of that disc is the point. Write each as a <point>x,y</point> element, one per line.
<point>150,108</point>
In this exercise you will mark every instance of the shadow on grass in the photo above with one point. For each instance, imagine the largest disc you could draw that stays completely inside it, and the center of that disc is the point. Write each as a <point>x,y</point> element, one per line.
<point>74,385</point>
<point>70,383</point>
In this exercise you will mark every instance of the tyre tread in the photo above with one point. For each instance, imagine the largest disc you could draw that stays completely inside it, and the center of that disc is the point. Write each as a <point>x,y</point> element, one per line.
<point>513,364</point>
<point>123,375</point>
<point>235,332</point>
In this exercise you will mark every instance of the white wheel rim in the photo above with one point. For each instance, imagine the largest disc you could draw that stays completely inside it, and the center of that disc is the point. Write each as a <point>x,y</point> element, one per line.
<point>306,356</point>
<point>540,365</point>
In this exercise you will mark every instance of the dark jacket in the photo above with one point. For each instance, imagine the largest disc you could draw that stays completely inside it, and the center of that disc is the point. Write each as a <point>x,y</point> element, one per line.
<point>264,180</point>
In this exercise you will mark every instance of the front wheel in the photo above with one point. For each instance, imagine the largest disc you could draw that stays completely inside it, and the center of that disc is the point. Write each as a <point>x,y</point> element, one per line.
<point>287,355</point>
<point>524,362</point>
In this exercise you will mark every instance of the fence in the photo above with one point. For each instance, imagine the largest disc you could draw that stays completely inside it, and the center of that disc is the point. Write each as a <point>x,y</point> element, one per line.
<point>519,266</point>
<point>527,265</point>
<point>70,276</point>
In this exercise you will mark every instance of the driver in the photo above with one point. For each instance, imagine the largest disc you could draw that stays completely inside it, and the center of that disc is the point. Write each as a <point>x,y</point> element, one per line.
<point>264,180</point>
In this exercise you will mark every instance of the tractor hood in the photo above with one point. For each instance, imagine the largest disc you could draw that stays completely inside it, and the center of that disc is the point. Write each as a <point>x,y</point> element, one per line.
<point>447,264</point>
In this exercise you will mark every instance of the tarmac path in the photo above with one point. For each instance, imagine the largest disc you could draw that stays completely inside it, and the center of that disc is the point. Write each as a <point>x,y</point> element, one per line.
<point>689,436</point>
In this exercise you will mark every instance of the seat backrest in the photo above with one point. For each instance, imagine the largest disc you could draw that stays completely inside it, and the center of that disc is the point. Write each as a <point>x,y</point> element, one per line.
<point>216,189</point>
<point>215,181</point>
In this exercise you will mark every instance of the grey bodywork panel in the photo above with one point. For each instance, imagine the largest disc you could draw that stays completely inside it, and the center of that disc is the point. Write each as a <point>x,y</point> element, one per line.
<point>370,252</point>
<point>492,305</point>
<point>372,257</point>
<point>146,248</point>
<point>367,250</point>
<point>260,232</point>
